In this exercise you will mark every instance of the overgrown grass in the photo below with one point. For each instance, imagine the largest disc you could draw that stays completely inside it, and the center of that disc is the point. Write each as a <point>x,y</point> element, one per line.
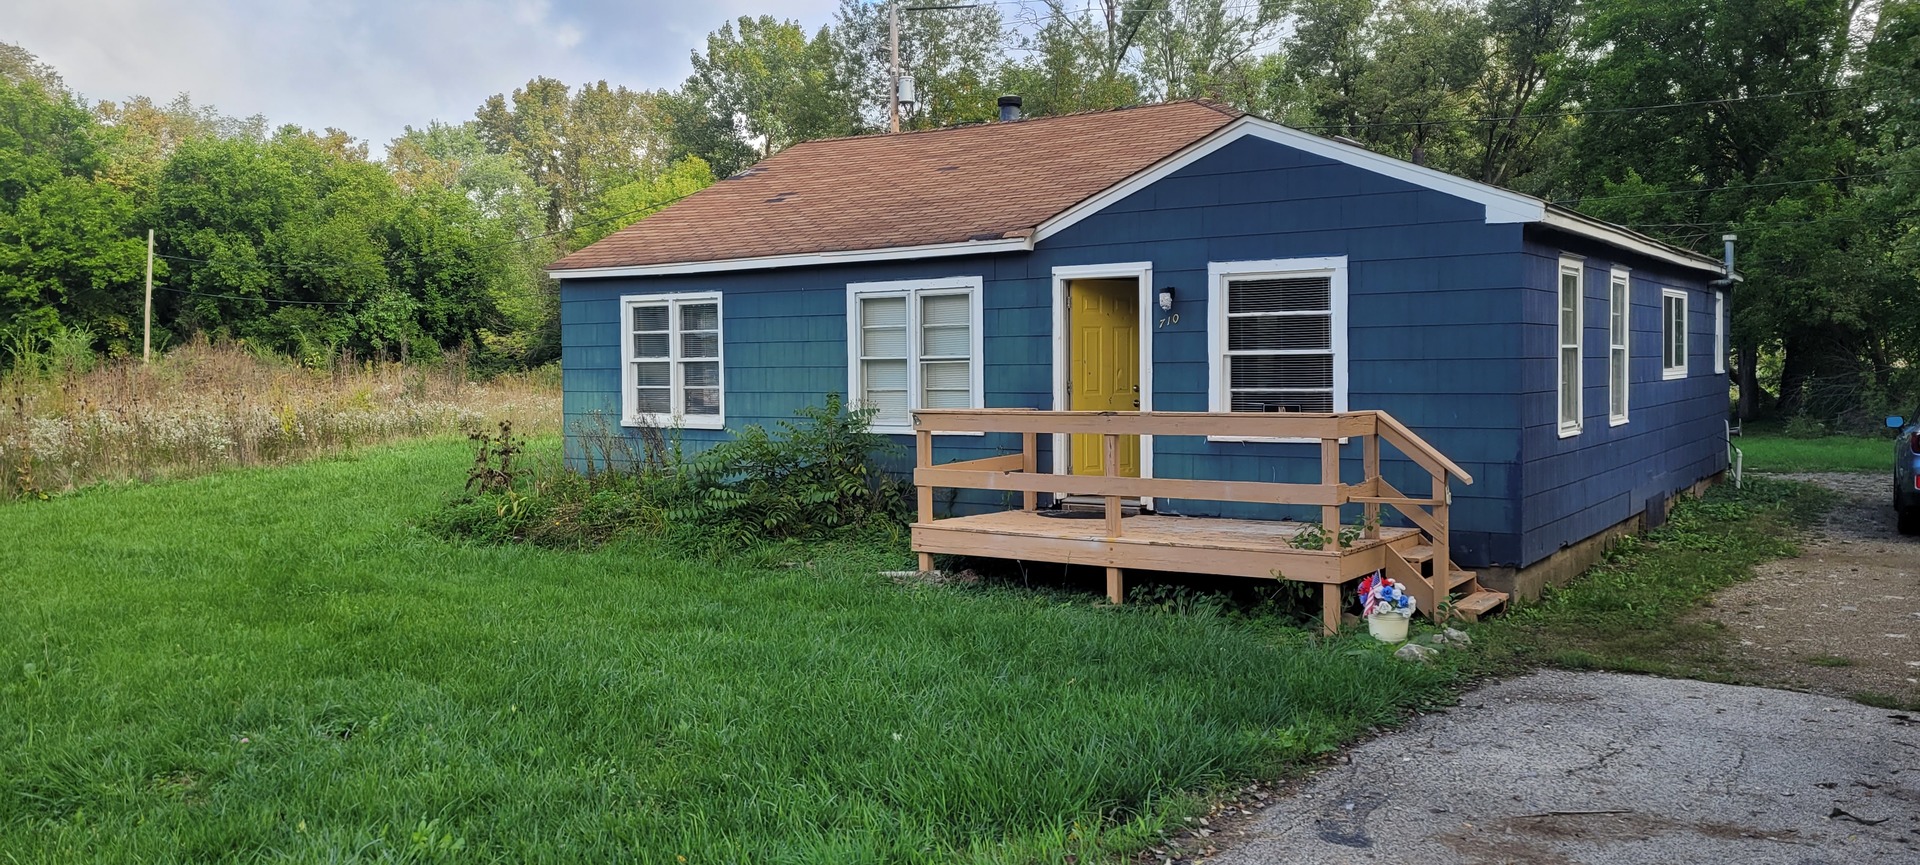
<point>268,664</point>
<point>68,420</point>
<point>1632,612</point>
<point>1775,452</point>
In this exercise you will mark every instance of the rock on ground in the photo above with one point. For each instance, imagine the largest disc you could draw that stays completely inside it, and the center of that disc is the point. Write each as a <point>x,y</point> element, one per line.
<point>1561,767</point>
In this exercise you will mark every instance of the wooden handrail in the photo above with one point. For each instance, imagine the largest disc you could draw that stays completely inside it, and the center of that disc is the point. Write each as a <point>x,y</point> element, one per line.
<point>1019,472</point>
<point>1417,449</point>
<point>1278,425</point>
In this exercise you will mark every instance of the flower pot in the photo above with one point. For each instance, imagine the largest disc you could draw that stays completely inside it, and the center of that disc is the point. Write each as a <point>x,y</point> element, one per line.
<point>1388,627</point>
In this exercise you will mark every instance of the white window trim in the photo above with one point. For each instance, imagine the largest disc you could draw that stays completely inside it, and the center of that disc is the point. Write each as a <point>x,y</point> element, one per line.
<point>1669,373</point>
<point>1624,277</point>
<point>1720,333</point>
<point>912,289</point>
<point>1218,272</point>
<point>629,417</point>
<point>1578,267</point>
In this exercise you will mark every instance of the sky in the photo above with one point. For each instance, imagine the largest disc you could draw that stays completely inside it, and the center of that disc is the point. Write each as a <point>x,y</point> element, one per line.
<point>370,67</point>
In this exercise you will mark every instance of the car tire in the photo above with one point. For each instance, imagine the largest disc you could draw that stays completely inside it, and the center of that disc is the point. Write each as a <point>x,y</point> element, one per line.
<point>1909,520</point>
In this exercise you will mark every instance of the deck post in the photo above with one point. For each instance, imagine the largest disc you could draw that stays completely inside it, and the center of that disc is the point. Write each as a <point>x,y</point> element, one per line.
<point>1370,448</point>
<point>923,458</point>
<point>1030,464</point>
<point>1112,462</point>
<point>1330,477</point>
<point>1116,586</point>
<point>1329,608</point>
<point>1442,547</point>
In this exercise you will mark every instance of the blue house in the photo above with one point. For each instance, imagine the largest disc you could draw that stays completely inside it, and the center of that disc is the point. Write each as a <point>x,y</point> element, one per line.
<point>1182,257</point>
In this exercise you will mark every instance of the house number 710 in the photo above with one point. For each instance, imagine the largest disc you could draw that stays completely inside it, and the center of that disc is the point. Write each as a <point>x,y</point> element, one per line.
<point>1171,319</point>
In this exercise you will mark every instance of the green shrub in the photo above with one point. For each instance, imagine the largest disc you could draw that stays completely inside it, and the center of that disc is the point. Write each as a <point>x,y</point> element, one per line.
<point>808,480</point>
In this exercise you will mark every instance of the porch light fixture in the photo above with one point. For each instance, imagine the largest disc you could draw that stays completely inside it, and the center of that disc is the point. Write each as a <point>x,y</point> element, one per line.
<point>1166,298</point>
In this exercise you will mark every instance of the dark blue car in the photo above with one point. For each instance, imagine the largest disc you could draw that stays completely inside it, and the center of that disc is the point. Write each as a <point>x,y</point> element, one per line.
<point>1906,472</point>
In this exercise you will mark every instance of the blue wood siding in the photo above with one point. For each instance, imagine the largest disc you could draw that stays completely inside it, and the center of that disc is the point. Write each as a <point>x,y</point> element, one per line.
<point>1449,329</point>
<point>1575,487</point>
<point>1433,305</point>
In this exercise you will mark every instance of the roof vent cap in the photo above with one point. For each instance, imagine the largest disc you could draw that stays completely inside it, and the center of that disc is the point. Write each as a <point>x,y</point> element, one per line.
<point>1009,108</point>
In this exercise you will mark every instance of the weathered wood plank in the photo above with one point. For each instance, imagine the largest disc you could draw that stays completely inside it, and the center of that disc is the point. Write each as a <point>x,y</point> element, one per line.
<point>1002,463</point>
<point>1259,492</point>
<point>1275,425</point>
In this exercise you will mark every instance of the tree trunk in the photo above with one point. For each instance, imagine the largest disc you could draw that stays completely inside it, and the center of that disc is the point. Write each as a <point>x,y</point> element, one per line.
<point>1749,381</point>
<point>1795,368</point>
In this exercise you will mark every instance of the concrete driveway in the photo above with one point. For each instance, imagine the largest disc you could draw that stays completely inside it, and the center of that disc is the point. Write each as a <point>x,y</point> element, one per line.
<point>1562,767</point>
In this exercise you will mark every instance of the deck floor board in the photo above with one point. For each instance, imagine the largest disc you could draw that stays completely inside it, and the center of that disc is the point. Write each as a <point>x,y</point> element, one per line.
<point>1207,533</point>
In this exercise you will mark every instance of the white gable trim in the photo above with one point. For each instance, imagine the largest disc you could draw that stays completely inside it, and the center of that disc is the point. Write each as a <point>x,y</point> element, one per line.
<point>1586,226</point>
<point>1501,205</point>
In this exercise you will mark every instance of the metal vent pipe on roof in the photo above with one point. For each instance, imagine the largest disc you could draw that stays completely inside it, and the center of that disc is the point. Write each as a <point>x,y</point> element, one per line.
<point>1009,108</point>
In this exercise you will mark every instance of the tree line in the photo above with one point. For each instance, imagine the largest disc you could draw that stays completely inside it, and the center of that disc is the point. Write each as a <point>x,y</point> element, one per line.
<point>1791,123</point>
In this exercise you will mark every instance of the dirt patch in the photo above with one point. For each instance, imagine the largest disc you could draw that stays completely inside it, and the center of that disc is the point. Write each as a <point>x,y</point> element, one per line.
<point>1844,617</point>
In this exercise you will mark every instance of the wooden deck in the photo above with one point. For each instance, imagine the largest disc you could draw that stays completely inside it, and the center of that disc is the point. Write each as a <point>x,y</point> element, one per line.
<point>1234,548</point>
<point>1254,549</point>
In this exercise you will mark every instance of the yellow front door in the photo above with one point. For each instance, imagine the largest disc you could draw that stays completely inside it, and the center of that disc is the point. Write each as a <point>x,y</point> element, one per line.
<point>1103,344</point>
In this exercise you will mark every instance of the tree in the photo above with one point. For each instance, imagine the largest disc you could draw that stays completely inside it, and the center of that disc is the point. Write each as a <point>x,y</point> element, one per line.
<point>760,86</point>
<point>630,202</point>
<point>568,142</point>
<point>68,254</point>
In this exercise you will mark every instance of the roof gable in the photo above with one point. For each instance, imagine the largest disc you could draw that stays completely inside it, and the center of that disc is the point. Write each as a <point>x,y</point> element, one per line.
<point>969,186</point>
<point>995,187</point>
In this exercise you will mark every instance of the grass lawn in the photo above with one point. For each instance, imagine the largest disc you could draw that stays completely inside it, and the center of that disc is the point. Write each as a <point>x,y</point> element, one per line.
<point>272,664</point>
<point>1773,452</point>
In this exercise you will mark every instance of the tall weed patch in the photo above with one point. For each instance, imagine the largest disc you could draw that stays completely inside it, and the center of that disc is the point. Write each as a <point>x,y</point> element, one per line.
<point>65,423</point>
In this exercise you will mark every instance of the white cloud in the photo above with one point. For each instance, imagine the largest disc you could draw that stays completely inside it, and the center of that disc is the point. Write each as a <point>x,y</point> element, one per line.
<point>367,66</point>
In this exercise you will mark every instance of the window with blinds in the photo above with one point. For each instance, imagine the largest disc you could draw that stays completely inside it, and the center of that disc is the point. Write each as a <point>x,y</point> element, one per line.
<point>1571,293</point>
<point>1278,335</point>
<point>914,345</point>
<point>1280,344</point>
<point>1673,333</point>
<point>1619,307</point>
<point>673,363</point>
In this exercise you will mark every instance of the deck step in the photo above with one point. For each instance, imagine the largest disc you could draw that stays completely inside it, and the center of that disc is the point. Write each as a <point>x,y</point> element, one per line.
<point>1478,604</point>
<point>1098,504</point>
<point>1417,555</point>
<point>1457,578</point>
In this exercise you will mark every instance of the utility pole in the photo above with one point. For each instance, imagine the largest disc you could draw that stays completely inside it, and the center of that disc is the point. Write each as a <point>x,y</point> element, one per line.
<point>893,47</point>
<point>146,327</point>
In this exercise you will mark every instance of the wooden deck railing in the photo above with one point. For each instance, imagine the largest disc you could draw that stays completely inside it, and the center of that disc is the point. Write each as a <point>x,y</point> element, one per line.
<point>1019,472</point>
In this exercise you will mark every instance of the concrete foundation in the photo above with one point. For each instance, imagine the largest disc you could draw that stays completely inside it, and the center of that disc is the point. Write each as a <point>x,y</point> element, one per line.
<point>1526,584</point>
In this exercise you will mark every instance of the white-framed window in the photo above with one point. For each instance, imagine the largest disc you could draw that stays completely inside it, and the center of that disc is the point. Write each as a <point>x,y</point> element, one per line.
<point>1719,333</point>
<point>1572,297</point>
<point>1673,333</point>
<point>1619,321</point>
<point>1277,338</point>
<point>671,371</point>
<point>913,344</point>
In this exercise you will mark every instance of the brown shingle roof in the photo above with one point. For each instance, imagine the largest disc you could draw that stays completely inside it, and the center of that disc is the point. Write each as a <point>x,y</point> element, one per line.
<point>979,182</point>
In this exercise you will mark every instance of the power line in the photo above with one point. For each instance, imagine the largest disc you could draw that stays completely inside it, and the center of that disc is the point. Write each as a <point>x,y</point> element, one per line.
<point>1738,188</point>
<point>260,299</point>
<point>1586,112</point>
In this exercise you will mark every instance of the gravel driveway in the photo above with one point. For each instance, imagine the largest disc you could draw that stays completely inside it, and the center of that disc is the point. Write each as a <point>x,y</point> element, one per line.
<point>1844,617</point>
<point>1561,767</point>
